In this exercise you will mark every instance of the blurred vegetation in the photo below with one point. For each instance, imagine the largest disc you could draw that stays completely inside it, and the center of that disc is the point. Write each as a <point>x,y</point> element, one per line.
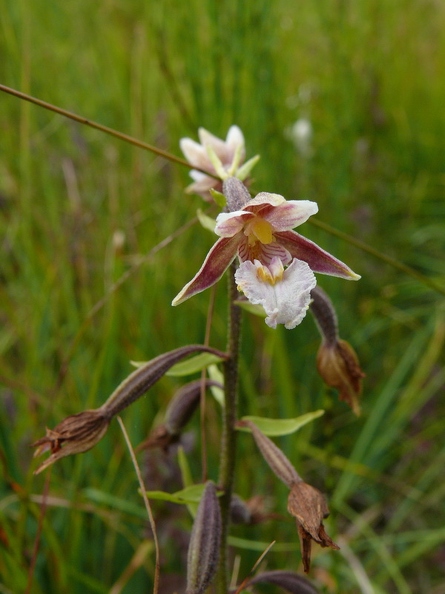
<point>79,209</point>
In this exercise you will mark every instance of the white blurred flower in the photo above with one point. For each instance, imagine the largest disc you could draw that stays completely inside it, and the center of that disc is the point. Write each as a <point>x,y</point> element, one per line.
<point>301,133</point>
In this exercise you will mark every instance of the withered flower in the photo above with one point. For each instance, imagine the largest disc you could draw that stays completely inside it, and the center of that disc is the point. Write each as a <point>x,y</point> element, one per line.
<point>203,553</point>
<point>337,362</point>
<point>309,507</point>
<point>339,367</point>
<point>74,435</point>
<point>305,503</point>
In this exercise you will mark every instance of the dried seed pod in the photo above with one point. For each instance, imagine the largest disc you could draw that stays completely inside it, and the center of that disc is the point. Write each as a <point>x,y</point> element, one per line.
<point>339,367</point>
<point>337,362</point>
<point>203,553</point>
<point>78,433</point>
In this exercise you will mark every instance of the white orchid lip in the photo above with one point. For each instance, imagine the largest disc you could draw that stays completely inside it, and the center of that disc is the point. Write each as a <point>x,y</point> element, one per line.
<point>285,294</point>
<point>261,235</point>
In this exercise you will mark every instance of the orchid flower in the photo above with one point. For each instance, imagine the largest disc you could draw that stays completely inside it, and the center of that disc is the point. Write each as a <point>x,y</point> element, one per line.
<point>260,234</point>
<point>222,159</point>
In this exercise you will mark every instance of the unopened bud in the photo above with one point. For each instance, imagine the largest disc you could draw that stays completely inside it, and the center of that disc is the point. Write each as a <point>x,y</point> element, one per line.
<point>309,507</point>
<point>236,193</point>
<point>178,413</point>
<point>203,553</point>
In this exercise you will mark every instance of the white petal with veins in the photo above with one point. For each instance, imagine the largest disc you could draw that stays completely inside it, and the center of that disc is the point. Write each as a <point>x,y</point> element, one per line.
<point>285,302</point>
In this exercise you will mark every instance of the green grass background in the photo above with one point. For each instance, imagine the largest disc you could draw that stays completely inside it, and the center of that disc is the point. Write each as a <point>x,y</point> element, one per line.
<point>79,209</point>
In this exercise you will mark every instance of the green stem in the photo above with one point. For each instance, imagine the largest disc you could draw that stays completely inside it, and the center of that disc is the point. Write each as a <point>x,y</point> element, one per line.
<point>228,441</point>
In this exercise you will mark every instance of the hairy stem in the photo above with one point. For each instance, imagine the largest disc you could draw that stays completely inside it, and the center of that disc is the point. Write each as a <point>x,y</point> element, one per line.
<point>228,442</point>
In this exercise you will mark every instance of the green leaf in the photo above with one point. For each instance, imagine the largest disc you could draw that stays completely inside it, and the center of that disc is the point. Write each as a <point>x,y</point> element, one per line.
<point>257,310</point>
<point>244,171</point>
<point>187,479</point>
<point>189,495</point>
<point>102,498</point>
<point>219,198</point>
<point>193,365</point>
<point>275,427</point>
<point>216,375</point>
<point>206,221</point>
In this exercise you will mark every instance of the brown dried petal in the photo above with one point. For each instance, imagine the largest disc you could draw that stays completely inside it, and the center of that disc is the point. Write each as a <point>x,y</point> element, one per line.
<point>203,553</point>
<point>274,457</point>
<point>339,367</point>
<point>74,435</point>
<point>309,507</point>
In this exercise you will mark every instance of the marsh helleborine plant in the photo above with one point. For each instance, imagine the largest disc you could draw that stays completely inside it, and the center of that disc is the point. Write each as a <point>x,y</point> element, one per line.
<point>272,267</point>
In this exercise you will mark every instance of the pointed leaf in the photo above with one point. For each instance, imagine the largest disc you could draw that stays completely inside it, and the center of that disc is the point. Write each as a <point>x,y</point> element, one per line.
<point>216,375</point>
<point>275,427</point>
<point>193,365</point>
<point>187,479</point>
<point>256,310</point>
<point>206,221</point>
<point>219,198</point>
<point>189,495</point>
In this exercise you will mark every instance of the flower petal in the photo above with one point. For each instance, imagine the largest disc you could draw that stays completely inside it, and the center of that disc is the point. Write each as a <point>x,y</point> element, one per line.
<point>216,263</point>
<point>224,152</point>
<point>318,259</point>
<point>229,223</point>
<point>235,137</point>
<point>291,214</point>
<point>195,154</point>
<point>264,252</point>
<point>284,302</point>
<point>202,185</point>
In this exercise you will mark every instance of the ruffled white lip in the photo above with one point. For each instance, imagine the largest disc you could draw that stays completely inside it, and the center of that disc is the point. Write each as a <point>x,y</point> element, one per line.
<point>286,300</point>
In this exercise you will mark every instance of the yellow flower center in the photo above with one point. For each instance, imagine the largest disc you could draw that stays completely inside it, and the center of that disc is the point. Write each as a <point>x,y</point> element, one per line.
<point>265,275</point>
<point>259,229</point>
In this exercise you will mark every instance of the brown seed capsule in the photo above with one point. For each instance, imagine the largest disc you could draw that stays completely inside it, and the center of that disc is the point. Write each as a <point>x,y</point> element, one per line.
<point>337,362</point>
<point>203,553</point>
<point>78,433</point>
<point>339,367</point>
